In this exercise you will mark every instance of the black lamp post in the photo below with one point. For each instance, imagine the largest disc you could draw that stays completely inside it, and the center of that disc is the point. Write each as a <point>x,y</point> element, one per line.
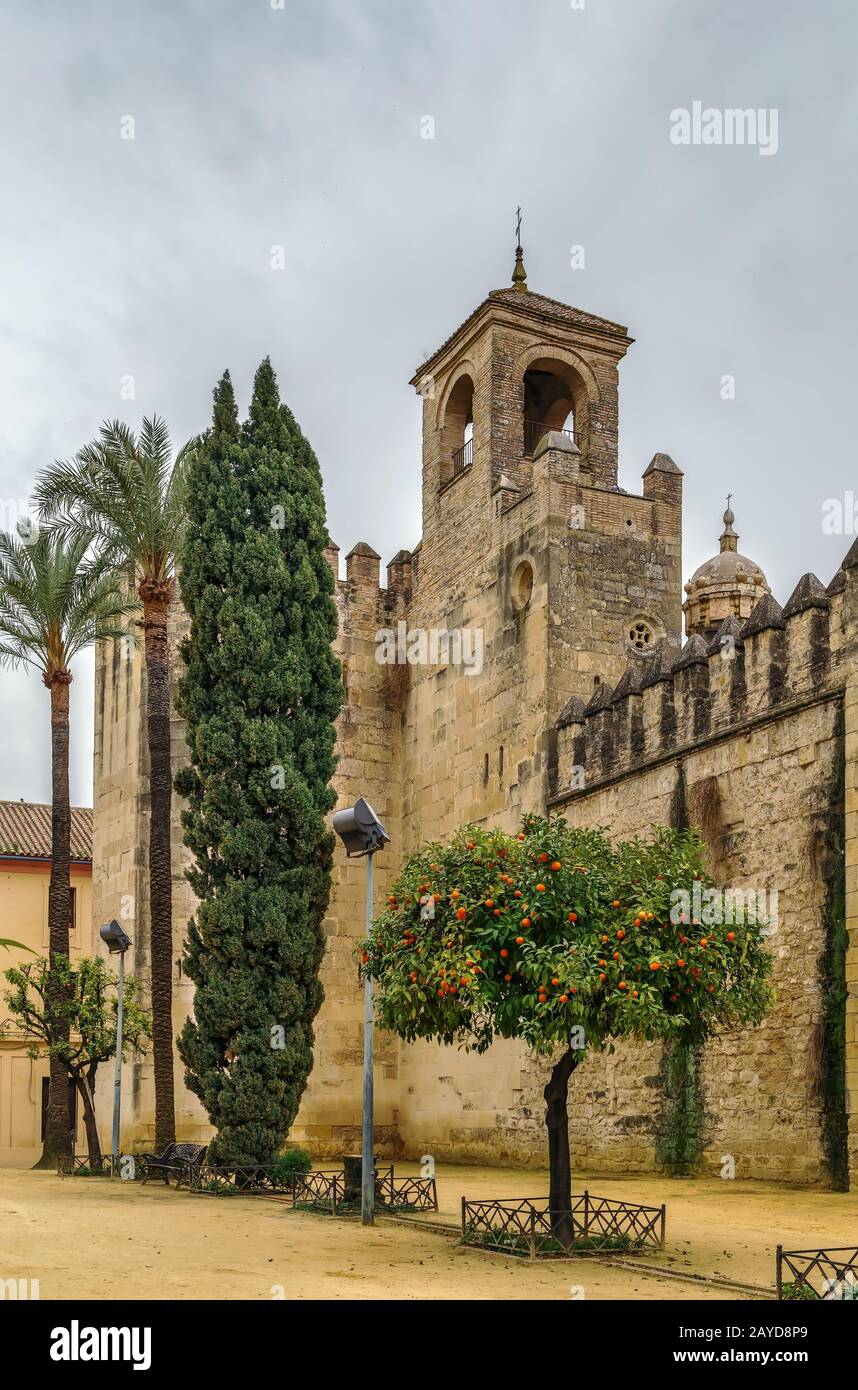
<point>118,942</point>
<point>362,833</point>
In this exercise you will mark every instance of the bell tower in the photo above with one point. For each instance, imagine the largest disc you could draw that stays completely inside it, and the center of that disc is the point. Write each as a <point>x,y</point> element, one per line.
<point>527,534</point>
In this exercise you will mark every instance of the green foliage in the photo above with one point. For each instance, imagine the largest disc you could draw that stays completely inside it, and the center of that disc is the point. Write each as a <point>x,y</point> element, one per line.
<point>834,991</point>
<point>287,1164</point>
<point>77,1021</point>
<point>555,929</point>
<point>679,1143</point>
<point>260,693</point>
<point>123,492</point>
<point>54,601</point>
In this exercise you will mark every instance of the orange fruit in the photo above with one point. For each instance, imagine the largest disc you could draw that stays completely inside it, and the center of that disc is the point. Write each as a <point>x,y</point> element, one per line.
<point>504,953</point>
<point>573,917</point>
<point>564,999</point>
<point>525,921</point>
<point>556,864</point>
<point>462,914</point>
<point>731,936</point>
<point>654,965</point>
<point>519,941</point>
<point>540,887</point>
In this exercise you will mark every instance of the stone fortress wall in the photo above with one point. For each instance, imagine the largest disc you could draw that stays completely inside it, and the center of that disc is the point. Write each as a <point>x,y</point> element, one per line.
<point>583,702</point>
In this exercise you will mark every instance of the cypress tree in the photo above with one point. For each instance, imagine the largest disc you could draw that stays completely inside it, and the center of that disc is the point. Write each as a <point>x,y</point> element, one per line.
<point>260,693</point>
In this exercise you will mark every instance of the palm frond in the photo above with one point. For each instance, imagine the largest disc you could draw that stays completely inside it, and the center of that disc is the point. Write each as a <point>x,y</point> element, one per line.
<point>124,492</point>
<point>56,597</point>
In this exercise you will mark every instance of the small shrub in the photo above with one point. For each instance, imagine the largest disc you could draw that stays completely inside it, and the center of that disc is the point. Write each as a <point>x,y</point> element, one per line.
<point>290,1163</point>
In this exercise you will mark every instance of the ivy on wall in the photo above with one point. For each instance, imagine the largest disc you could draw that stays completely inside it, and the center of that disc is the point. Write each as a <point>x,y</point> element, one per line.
<point>833,984</point>
<point>679,1141</point>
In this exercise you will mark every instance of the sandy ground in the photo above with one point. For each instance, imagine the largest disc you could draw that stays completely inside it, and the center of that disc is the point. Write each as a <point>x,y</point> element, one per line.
<point>86,1238</point>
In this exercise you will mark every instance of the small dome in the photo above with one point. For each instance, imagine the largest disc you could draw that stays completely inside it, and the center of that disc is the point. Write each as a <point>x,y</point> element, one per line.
<point>726,568</point>
<point>728,585</point>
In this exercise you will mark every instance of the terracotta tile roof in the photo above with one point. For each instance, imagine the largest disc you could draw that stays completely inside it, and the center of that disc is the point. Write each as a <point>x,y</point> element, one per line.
<point>531,304</point>
<point>25,831</point>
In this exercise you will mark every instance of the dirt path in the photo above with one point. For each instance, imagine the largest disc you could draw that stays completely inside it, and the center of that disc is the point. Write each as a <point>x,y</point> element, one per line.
<point>87,1238</point>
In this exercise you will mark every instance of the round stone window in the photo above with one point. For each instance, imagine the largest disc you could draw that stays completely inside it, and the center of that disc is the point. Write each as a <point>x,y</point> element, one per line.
<point>641,637</point>
<point>521,589</point>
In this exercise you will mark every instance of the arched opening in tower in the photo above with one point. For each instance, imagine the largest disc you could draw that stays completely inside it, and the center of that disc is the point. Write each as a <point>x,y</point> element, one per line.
<point>457,431</point>
<point>554,399</point>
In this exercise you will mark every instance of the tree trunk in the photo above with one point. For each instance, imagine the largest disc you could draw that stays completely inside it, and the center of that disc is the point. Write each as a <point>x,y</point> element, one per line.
<point>85,1082</point>
<point>559,1166</point>
<point>156,600</point>
<point>59,1121</point>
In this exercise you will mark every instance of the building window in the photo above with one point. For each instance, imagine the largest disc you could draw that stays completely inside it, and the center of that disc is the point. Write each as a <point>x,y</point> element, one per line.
<point>641,636</point>
<point>72,909</point>
<point>521,589</point>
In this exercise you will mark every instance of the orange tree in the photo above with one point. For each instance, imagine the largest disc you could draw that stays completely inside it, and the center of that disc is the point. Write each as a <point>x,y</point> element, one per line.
<point>559,938</point>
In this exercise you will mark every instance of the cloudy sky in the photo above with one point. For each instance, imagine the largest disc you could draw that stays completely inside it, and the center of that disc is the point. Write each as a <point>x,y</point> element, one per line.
<point>299,124</point>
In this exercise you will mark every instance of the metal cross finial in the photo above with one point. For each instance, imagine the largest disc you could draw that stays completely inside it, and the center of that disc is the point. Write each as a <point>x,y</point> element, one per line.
<point>518,229</point>
<point>729,500</point>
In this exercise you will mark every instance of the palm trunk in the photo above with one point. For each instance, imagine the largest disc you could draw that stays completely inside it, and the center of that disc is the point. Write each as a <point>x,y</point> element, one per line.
<point>58,1125</point>
<point>559,1166</point>
<point>156,599</point>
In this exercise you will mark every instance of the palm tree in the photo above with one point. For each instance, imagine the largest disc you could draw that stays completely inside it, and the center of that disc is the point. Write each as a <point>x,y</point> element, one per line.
<point>54,601</point>
<point>127,492</point>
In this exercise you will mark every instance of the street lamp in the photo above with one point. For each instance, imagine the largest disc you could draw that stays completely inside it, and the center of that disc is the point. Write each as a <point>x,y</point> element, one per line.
<point>117,942</point>
<point>362,833</point>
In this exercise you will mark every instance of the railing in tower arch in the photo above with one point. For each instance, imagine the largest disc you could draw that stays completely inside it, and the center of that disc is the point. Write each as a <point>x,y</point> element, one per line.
<point>535,429</point>
<point>463,458</point>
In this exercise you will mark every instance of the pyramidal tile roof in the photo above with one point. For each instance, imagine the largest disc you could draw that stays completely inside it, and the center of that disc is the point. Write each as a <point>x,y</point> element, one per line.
<point>25,831</point>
